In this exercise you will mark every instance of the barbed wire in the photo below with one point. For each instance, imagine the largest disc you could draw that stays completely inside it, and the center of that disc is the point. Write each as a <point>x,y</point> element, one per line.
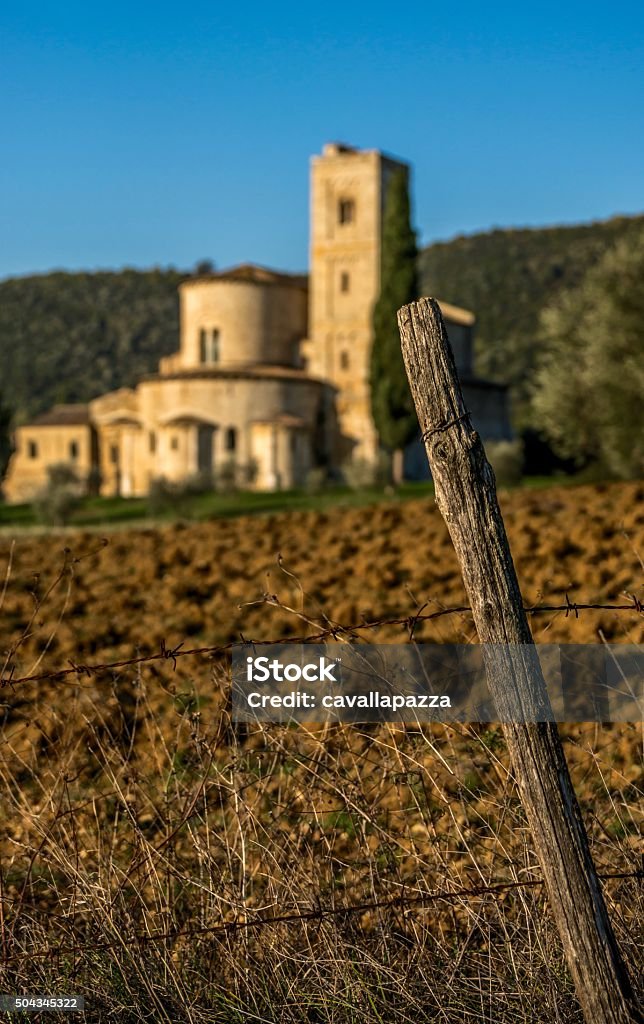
<point>319,913</point>
<point>318,632</point>
<point>334,630</point>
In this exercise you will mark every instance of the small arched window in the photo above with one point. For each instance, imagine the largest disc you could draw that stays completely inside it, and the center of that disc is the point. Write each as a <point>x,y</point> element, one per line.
<point>344,360</point>
<point>209,345</point>
<point>73,449</point>
<point>345,281</point>
<point>346,211</point>
<point>214,346</point>
<point>32,449</point>
<point>231,439</point>
<point>152,442</point>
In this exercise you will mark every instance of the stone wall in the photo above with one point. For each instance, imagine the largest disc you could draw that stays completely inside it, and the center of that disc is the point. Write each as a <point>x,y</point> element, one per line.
<point>40,446</point>
<point>256,323</point>
<point>347,196</point>
<point>197,422</point>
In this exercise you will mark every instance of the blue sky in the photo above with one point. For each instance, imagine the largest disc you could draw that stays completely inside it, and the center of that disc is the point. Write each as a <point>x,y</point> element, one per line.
<point>147,134</point>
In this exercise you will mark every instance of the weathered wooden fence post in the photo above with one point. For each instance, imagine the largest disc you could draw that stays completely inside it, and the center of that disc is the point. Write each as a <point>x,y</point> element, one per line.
<point>466,497</point>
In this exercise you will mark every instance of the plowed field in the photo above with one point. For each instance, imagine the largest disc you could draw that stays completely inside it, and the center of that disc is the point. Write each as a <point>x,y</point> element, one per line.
<point>187,581</point>
<point>133,806</point>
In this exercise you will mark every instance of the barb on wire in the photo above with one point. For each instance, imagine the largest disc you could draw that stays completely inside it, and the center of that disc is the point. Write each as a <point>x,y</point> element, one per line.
<point>335,631</point>
<point>320,913</point>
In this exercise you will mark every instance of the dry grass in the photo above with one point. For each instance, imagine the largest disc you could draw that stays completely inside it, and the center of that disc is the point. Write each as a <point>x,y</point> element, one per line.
<point>135,809</point>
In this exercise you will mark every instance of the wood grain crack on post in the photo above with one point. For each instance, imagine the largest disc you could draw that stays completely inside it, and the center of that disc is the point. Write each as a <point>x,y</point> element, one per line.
<point>466,496</point>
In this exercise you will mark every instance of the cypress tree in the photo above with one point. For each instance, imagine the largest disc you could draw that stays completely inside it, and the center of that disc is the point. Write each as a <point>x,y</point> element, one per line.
<point>391,402</point>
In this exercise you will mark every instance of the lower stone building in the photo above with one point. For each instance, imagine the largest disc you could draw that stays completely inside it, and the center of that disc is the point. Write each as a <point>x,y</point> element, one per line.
<point>271,378</point>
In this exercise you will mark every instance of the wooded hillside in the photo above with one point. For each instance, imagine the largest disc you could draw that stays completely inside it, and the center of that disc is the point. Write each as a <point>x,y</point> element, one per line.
<point>506,277</point>
<point>70,337</point>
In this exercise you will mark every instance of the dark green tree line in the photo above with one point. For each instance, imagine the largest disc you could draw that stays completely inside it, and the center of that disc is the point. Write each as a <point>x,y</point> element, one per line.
<point>507,276</point>
<point>69,337</point>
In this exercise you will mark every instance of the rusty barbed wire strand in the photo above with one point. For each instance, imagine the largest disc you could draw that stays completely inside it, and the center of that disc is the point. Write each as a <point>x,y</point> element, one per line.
<point>334,631</point>
<point>318,914</point>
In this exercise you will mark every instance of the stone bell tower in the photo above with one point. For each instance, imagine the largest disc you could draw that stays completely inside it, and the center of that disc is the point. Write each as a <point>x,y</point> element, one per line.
<point>348,189</point>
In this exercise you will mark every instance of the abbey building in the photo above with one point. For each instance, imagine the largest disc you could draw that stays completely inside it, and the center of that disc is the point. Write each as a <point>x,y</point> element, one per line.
<point>272,374</point>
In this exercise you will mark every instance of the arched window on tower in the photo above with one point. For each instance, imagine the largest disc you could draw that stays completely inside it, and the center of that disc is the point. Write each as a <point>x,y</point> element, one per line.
<point>346,211</point>
<point>231,439</point>
<point>345,281</point>
<point>203,338</point>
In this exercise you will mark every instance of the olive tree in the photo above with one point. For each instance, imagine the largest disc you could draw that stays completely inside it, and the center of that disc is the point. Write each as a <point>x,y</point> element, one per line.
<point>590,375</point>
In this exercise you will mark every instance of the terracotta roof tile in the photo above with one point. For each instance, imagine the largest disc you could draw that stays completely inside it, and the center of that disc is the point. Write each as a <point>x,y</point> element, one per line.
<point>62,416</point>
<point>252,273</point>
